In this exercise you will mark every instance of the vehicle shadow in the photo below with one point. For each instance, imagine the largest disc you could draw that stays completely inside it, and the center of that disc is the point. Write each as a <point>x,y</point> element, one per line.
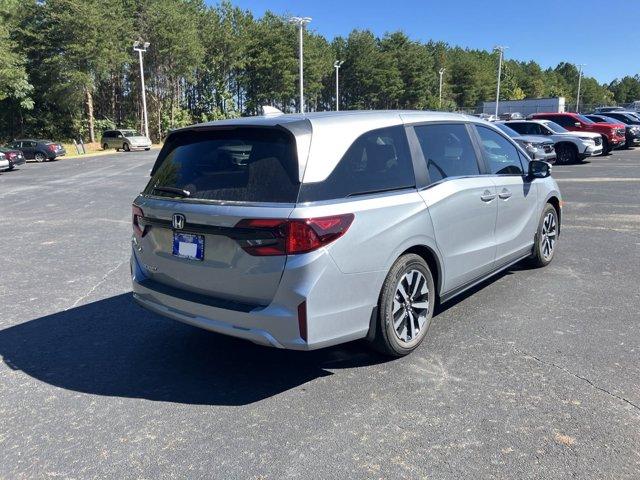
<point>114,347</point>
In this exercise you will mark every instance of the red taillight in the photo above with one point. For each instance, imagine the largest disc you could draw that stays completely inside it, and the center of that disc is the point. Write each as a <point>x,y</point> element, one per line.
<point>292,236</point>
<point>137,215</point>
<point>52,147</point>
<point>302,320</point>
<point>11,155</point>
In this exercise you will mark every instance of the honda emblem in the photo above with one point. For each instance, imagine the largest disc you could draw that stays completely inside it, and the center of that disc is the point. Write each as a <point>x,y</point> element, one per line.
<point>178,221</point>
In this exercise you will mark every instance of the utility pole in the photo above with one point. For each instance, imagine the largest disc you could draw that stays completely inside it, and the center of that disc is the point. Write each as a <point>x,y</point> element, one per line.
<point>337,64</point>
<point>141,47</point>
<point>500,49</point>
<point>441,72</point>
<point>580,66</point>
<point>301,22</point>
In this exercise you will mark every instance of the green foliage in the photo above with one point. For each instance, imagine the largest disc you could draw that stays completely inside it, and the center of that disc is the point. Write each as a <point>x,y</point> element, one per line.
<point>68,65</point>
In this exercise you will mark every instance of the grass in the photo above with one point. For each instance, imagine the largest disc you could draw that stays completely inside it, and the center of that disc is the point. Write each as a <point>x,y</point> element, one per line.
<point>92,149</point>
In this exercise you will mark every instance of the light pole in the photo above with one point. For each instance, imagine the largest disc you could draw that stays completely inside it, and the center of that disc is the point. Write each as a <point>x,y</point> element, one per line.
<point>142,47</point>
<point>301,22</point>
<point>580,66</point>
<point>337,64</point>
<point>441,72</point>
<point>500,49</point>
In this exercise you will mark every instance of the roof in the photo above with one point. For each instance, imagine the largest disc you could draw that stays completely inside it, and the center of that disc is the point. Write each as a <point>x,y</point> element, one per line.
<point>322,138</point>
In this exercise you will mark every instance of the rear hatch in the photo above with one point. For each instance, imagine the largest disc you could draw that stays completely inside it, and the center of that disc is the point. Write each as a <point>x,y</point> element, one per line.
<point>204,183</point>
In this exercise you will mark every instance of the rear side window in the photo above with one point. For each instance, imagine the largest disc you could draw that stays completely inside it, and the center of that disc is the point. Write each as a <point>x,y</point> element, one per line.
<point>562,120</point>
<point>237,165</point>
<point>377,161</point>
<point>502,157</point>
<point>448,151</point>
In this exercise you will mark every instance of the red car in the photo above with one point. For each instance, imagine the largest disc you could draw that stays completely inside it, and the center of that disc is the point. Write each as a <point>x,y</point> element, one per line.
<point>15,157</point>
<point>613,135</point>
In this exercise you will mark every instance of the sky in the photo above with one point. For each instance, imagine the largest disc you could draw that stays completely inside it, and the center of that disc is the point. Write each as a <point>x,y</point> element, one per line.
<point>546,31</point>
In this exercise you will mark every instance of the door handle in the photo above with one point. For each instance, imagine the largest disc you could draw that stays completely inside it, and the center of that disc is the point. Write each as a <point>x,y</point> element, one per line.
<point>487,196</point>
<point>505,194</point>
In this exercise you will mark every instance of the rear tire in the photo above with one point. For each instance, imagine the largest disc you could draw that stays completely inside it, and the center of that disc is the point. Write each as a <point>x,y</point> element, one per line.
<point>105,147</point>
<point>405,307</point>
<point>126,147</point>
<point>546,238</point>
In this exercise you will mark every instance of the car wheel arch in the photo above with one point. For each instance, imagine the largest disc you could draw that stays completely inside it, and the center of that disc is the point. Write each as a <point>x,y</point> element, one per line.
<point>430,256</point>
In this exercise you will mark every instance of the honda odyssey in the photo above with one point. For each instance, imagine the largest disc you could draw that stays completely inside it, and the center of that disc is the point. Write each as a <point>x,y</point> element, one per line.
<point>304,231</point>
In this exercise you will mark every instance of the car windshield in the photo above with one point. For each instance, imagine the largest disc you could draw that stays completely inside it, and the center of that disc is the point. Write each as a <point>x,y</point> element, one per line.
<point>130,133</point>
<point>508,130</point>
<point>555,127</point>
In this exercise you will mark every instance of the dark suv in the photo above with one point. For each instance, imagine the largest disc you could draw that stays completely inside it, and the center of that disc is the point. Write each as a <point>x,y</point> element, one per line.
<point>630,120</point>
<point>39,150</point>
<point>613,136</point>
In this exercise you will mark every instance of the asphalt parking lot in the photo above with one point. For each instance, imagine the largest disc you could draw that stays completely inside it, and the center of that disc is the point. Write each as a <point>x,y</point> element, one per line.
<point>536,374</point>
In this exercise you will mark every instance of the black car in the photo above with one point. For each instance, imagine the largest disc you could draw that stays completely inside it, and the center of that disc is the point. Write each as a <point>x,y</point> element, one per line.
<point>15,157</point>
<point>631,124</point>
<point>38,150</point>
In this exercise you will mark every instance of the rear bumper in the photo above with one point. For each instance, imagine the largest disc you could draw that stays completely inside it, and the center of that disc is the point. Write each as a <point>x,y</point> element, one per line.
<point>334,314</point>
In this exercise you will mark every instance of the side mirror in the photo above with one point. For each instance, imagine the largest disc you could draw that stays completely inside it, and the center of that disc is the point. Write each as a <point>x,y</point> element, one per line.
<point>119,135</point>
<point>539,169</point>
<point>577,124</point>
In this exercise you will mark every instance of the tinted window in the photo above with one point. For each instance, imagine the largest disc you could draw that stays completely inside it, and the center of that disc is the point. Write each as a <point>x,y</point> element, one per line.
<point>377,161</point>
<point>107,134</point>
<point>526,128</point>
<point>242,164</point>
<point>448,151</point>
<point>502,157</point>
<point>563,121</point>
<point>507,129</point>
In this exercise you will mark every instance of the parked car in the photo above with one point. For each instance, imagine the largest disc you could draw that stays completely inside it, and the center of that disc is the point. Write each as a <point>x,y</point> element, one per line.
<point>304,231</point>
<point>14,157</point>
<point>124,139</point>
<point>607,109</point>
<point>511,116</point>
<point>571,147</point>
<point>613,136</point>
<point>4,163</point>
<point>38,150</point>
<point>538,147</point>
<point>632,125</point>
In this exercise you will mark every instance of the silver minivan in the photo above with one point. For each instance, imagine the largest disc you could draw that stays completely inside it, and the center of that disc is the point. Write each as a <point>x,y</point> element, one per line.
<point>125,139</point>
<point>304,231</point>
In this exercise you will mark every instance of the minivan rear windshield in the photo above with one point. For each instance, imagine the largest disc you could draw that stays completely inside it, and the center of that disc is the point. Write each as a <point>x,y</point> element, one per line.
<point>246,164</point>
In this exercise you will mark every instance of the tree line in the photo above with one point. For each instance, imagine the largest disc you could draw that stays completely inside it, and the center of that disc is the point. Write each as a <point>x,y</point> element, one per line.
<point>67,68</point>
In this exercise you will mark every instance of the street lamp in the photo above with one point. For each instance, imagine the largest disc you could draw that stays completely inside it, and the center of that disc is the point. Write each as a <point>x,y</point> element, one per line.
<point>580,66</point>
<point>337,64</point>
<point>301,22</point>
<point>500,49</point>
<point>441,72</point>
<point>142,47</point>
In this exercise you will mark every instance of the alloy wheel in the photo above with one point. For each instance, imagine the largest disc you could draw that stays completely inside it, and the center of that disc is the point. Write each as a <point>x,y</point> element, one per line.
<point>548,235</point>
<point>410,306</point>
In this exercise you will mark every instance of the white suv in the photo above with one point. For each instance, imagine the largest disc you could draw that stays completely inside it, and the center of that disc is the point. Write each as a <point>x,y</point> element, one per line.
<point>571,147</point>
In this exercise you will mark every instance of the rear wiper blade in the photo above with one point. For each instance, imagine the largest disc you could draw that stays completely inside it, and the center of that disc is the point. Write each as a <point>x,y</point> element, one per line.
<point>177,191</point>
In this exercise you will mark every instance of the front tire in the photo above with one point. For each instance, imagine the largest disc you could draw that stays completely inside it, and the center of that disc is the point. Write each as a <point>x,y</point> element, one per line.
<point>606,147</point>
<point>566,154</point>
<point>546,238</point>
<point>405,307</point>
<point>39,157</point>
